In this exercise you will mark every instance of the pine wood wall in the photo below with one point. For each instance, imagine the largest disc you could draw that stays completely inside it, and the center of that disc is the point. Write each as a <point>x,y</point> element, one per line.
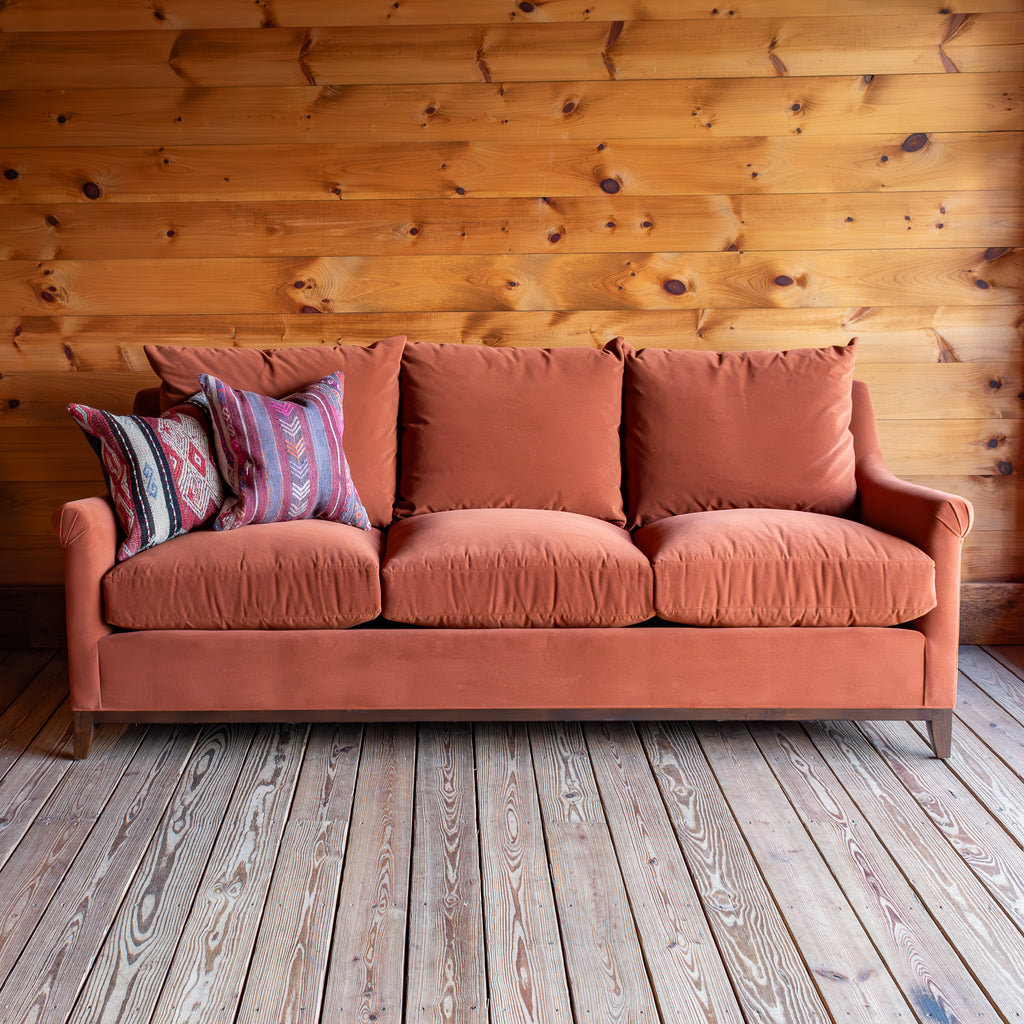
<point>265,172</point>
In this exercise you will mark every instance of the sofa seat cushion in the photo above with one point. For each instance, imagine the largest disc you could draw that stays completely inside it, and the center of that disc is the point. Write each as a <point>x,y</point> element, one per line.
<point>484,568</point>
<point>769,567</point>
<point>307,574</point>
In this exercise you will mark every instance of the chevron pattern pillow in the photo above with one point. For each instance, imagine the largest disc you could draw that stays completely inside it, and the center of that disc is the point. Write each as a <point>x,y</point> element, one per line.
<point>161,472</point>
<point>282,458</point>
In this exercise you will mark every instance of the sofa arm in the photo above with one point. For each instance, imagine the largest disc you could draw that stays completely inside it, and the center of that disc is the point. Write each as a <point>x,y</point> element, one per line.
<point>88,533</point>
<point>935,522</point>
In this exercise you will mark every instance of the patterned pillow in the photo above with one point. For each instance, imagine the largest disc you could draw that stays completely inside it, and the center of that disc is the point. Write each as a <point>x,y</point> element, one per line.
<point>161,472</point>
<point>282,458</point>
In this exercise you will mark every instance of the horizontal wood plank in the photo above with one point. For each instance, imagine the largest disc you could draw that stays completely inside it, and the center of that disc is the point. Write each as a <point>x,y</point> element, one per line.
<point>164,230</point>
<point>355,167</point>
<point>620,280</point>
<point>517,112</point>
<point>513,52</point>
<point>56,15</point>
<point>887,334</point>
<point>960,447</point>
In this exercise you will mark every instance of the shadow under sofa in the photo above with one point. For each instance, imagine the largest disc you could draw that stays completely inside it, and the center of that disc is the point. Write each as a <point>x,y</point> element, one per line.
<point>342,655</point>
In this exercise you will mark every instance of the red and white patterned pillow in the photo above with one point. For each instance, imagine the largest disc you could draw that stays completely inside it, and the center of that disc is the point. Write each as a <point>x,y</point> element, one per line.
<point>282,458</point>
<point>160,471</point>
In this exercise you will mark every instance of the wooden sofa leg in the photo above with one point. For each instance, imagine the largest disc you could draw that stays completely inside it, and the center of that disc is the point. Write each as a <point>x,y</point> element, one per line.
<point>83,733</point>
<point>940,732</point>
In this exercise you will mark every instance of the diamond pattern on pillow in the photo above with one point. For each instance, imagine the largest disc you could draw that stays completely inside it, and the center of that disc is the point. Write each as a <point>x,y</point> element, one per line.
<point>160,471</point>
<point>282,459</point>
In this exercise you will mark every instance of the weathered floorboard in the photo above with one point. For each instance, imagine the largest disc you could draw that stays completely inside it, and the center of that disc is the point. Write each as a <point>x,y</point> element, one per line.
<point>679,950</point>
<point>212,957</point>
<point>447,977</point>
<point>130,969</point>
<point>954,896</point>
<point>54,964</point>
<point>602,953</point>
<point>932,977</point>
<point>292,951</point>
<point>770,977</point>
<point>845,873</point>
<point>525,967</point>
<point>851,976</point>
<point>366,974</point>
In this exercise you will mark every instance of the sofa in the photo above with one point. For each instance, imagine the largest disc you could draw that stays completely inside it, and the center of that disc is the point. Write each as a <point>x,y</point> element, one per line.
<point>506,533</point>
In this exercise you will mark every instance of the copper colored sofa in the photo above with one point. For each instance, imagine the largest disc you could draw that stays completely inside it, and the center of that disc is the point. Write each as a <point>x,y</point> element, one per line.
<point>565,533</point>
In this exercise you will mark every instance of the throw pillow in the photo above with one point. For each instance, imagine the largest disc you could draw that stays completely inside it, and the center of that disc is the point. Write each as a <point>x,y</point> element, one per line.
<point>160,471</point>
<point>764,429</point>
<point>282,459</point>
<point>371,396</point>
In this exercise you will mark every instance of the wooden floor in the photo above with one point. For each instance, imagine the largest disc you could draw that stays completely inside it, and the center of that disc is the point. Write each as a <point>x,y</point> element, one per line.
<point>504,873</point>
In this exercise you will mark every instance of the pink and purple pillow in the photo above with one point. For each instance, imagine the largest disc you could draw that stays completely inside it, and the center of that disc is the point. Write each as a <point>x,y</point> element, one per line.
<point>282,458</point>
<point>161,472</point>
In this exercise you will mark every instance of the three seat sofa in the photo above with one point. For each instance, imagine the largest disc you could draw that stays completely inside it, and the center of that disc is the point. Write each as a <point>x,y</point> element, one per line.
<point>506,533</point>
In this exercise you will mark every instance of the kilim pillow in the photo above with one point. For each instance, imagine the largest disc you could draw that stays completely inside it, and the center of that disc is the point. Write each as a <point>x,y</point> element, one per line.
<point>282,459</point>
<point>161,472</point>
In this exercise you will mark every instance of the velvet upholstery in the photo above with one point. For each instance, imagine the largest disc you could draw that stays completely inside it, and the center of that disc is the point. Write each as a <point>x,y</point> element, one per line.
<point>370,404</point>
<point>770,567</point>
<point>490,568</point>
<point>304,574</point>
<point>376,669</point>
<point>707,430</point>
<point>511,428</point>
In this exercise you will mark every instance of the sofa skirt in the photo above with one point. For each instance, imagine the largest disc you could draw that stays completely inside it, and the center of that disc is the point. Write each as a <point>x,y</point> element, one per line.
<point>388,673</point>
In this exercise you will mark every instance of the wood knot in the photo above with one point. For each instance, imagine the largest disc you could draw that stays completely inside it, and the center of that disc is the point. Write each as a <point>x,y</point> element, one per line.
<point>783,280</point>
<point>982,284</point>
<point>611,186</point>
<point>995,252</point>
<point>568,107</point>
<point>91,190</point>
<point>1005,468</point>
<point>52,221</point>
<point>912,143</point>
<point>309,309</point>
<point>674,287</point>
<point>11,174</point>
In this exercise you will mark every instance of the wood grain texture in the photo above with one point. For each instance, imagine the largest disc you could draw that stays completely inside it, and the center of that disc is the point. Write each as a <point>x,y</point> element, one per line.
<point>769,975</point>
<point>366,976</point>
<point>938,220</point>
<point>679,949</point>
<point>850,976</point>
<point>587,51</point>
<point>293,947</point>
<point>933,980</point>
<point>939,876</point>
<point>131,966</point>
<point>55,15</point>
<point>827,105</point>
<point>603,955</point>
<point>527,282</point>
<point>526,970</point>
<point>992,854</point>
<point>47,977</point>
<point>446,966</point>
<point>887,334</point>
<point>359,168</point>
<point>212,957</point>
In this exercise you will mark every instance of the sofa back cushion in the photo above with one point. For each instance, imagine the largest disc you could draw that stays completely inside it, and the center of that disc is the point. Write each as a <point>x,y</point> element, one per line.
<point>706,430</point>
<point>370,402</point>
<point>511,428</point>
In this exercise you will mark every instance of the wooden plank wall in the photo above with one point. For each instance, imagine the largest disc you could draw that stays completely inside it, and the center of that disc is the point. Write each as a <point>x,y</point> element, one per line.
<point>509,172</point>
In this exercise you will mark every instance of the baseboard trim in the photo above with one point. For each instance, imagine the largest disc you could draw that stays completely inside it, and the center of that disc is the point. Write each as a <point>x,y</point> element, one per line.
<point>990,613</point>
